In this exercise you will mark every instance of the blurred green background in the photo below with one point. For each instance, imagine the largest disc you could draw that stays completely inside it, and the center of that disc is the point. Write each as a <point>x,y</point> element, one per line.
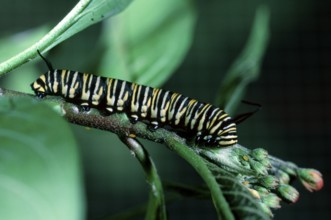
<point>294,90</point>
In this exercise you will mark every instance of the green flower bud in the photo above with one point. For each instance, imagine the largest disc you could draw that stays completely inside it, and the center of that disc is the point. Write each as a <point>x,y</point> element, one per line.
<point>283,177</point>
<point>266,162</point>
<point>288,193</point>
<point>261,190</point>
<point>269,182</point>
<point>311,179</point>
<point>245,164</point>
<point>271,200</point>
<point>259,154</point>
<point>290,168</point>
<point>258,167</point>
<point>266,209</point>
<point>254,193</point>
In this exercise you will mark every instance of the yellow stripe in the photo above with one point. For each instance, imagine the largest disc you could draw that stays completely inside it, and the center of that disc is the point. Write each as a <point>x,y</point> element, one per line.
<point>97,92</point>
<point>144,105</point>
<point>63,83</point>
<point>156,93</point>
<point>55,83</point>
<point>227,143</point>
<point>221,132</point>
<point>188,116</point>
<point>113,87</point>
<point>134,96</point>
<point>109,82</point>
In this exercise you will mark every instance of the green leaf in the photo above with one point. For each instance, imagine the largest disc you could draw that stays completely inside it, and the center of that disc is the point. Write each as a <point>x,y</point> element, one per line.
<point>246,67</point>
<point>147,42</point>
<point>95,11</point>
<point>39,165</point>
<point>83,15</point>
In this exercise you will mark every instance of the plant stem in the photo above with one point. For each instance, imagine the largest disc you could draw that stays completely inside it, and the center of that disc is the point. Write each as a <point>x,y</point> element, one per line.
<point>45,42</point>
<point>221,205</point>
<point>156,205</point>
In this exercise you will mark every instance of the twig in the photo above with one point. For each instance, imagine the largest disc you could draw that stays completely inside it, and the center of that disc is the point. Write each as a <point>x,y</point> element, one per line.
<point>156,205</point>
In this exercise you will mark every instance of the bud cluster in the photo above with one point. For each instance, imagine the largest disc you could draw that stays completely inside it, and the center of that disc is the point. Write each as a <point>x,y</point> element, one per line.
<point>269,191</point>
<point>267,178</point>
<point>256,161</point>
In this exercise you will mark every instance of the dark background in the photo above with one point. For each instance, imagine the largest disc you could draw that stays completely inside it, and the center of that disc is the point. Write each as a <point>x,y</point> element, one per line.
<point>294,90</point>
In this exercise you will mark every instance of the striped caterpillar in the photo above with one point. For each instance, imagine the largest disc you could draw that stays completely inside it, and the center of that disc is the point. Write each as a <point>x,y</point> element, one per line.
<point>207,125</point>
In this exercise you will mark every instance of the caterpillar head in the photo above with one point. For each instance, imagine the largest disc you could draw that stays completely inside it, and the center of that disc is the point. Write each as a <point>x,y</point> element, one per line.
<point>40,87</point>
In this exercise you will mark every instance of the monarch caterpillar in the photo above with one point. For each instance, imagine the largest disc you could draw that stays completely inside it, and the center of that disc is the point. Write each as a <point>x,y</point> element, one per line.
<point>206,124</point>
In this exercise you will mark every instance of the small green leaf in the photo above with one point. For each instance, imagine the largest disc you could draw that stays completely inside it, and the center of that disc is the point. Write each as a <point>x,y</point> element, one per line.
<point>39,165</point>
<point>147,42</point>
<point>246,67</point>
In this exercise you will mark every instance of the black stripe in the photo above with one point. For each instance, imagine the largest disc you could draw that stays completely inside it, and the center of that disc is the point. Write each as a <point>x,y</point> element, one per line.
<point>103,98</point>
<point>129,89</point>
<point>51,81</point>
<point>69,83</point>
<point>58,79</point>
<point>93,84</point>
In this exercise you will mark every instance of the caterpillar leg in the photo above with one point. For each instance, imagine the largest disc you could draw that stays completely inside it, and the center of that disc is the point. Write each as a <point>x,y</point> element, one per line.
<point>84,107</point>
<point>40,94</point>
<point>133,118</point>
<point>199,137</point>
<point>153,126</point>
<point>205,139</point>
<point>106,111</point>
<point>109,110</point>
